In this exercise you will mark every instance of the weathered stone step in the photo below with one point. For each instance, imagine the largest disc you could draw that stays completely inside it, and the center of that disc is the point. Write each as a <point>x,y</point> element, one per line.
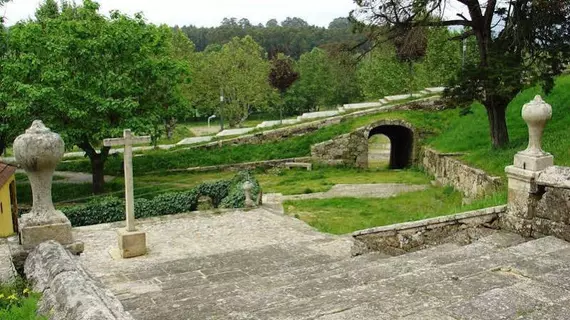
<point>369,287</point>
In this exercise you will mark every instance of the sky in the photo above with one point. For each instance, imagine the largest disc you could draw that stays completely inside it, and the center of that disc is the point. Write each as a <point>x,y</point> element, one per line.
<point>207,12</point>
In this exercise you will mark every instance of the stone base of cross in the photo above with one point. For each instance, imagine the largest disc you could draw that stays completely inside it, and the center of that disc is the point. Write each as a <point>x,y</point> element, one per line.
<point>132,243</point>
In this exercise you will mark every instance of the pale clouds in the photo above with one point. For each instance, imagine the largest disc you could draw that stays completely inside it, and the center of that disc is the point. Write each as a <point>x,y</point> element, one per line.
<point>208,12</point>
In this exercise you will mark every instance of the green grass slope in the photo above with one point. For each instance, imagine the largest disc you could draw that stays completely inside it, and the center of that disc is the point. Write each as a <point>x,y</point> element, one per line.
<point>470,133</point>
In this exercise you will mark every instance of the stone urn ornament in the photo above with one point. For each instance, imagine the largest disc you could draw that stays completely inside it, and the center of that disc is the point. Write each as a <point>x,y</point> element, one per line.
<point>247,187</point>
<point>38,152</point>
<point>536,114</point>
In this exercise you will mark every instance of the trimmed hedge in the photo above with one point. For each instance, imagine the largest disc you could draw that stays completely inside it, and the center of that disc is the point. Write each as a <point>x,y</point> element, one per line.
<point>224,194</point>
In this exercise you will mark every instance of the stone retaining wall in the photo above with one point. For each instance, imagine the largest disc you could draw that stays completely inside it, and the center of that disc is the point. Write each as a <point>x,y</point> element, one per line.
<point>245,165</point>
<point>450,171</point>
<point>400,238</point>
<point>349,149</point>
<point>544,208</point>
<point>68,292</point>
<point>430,103</point>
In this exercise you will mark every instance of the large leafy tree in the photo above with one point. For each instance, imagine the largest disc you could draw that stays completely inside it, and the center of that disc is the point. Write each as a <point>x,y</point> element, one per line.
<point>239,70</point>
<point>316,84</point>
<point>520,42</point>
<point>89,76</point>
<point>282,76</point>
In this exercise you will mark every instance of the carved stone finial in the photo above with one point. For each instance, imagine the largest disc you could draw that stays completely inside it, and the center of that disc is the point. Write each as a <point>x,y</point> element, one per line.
<point>536,113</point>
<point>247,187</point>
<point>39,151</point>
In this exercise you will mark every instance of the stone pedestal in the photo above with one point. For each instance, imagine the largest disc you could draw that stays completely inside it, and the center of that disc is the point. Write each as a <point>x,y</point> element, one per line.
<point>131,243</point>
<point>524,192</point>
<point>32,234</point>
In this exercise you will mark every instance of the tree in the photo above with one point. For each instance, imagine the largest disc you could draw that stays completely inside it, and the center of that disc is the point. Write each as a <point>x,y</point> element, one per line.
<point>183,52</point>
<point>520,42</point>
<point>272,23</point>
<point>89,77</point>
<point>282,76</point>
<point>340,23</point>
<point>294,23</point>
<point>7,129</point>
<point>316,83</point>
<point>240,71</point>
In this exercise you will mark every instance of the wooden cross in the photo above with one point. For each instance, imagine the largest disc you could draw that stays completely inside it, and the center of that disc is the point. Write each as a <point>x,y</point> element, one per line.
<point>128,141</point>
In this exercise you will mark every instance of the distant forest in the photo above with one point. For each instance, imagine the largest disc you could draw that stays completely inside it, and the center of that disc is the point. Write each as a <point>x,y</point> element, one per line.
<point>292,36</point>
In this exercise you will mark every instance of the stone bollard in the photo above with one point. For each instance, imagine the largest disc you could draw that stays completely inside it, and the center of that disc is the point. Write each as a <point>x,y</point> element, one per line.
<point>247,187</point>
<point>38,151</point>
<point>524,193</point>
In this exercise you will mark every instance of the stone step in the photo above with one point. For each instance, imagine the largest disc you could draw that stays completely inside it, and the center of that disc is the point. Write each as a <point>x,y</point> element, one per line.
<point>372,286</point>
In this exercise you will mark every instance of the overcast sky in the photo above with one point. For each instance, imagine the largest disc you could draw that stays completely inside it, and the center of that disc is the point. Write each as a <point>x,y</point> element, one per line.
<point>207,12</point>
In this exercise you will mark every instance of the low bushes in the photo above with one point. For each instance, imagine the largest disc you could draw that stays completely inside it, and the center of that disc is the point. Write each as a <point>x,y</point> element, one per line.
<point>17,302</point>
<point>224,194</point>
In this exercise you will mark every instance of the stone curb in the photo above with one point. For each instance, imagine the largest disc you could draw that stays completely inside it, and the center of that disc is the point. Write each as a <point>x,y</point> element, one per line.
<point>460,218</point>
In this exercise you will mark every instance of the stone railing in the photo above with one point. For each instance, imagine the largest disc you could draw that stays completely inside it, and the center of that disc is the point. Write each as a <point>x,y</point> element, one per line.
<point>68,292</point>
<point>400,238</point>
<point>450,171</point>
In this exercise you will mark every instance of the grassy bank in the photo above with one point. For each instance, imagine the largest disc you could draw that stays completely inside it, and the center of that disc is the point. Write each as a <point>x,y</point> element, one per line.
<point>470,133</point>
<point>345,215</point>
<point>430,123</point>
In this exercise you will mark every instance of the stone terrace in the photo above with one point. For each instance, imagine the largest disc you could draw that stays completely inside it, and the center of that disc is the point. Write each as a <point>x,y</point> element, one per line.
<point>260,265</point>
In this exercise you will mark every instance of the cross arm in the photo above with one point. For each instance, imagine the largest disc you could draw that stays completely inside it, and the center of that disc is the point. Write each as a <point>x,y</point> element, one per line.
<point>126,141</point>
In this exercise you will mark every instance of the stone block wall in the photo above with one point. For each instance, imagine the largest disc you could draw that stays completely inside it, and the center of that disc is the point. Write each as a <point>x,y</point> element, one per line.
<point>540,206</point>
<point>400,238</point>
<point>450,171</point>
<point>349,149</point>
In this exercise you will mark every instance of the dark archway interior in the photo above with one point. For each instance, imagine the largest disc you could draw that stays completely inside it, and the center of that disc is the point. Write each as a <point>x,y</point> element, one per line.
<point>402,144</point>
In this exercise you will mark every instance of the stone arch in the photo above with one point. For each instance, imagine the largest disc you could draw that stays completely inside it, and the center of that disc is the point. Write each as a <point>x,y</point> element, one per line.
<point>402,137</point>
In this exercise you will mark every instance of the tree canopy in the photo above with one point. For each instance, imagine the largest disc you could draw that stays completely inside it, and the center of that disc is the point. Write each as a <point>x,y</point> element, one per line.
<point>89,76</point>
<point>520,42</point>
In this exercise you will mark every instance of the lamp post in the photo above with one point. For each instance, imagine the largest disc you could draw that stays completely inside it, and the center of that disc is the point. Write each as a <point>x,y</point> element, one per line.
<point>221,109</point>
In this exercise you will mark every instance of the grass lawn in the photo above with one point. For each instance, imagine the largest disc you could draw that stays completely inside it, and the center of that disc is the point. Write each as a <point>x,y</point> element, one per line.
<point>300,181</point>
<point>294,181</point>
<point>345,215</point>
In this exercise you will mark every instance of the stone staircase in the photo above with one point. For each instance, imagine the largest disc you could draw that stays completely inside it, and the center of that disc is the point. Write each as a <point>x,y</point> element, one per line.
<point>500,276</point>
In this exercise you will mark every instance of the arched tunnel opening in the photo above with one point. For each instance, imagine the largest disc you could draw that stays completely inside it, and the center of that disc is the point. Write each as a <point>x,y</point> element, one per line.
<point>400,143</point>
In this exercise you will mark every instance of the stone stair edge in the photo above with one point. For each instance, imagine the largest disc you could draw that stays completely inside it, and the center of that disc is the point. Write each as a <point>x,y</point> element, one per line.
<point>432,221</point>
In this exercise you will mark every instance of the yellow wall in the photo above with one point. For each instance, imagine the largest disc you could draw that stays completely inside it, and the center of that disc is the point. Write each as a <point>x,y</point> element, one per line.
<point>6,225</point>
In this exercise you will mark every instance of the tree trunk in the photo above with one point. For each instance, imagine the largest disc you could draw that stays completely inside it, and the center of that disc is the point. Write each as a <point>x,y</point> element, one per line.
<point>498,125</point>
<point>170,125</point>
<point>2,146</point>
<point>97,165</point>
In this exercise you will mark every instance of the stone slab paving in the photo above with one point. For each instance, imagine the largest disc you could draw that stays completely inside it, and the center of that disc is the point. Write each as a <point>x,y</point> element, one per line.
<point>259,265</point>
<point>6,269</point>
<point>380,190</point>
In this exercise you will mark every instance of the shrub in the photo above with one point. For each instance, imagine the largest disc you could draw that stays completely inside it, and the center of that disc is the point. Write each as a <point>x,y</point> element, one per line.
<point>236,196</point>
<point>224,193</point>
<point>18,302</point>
